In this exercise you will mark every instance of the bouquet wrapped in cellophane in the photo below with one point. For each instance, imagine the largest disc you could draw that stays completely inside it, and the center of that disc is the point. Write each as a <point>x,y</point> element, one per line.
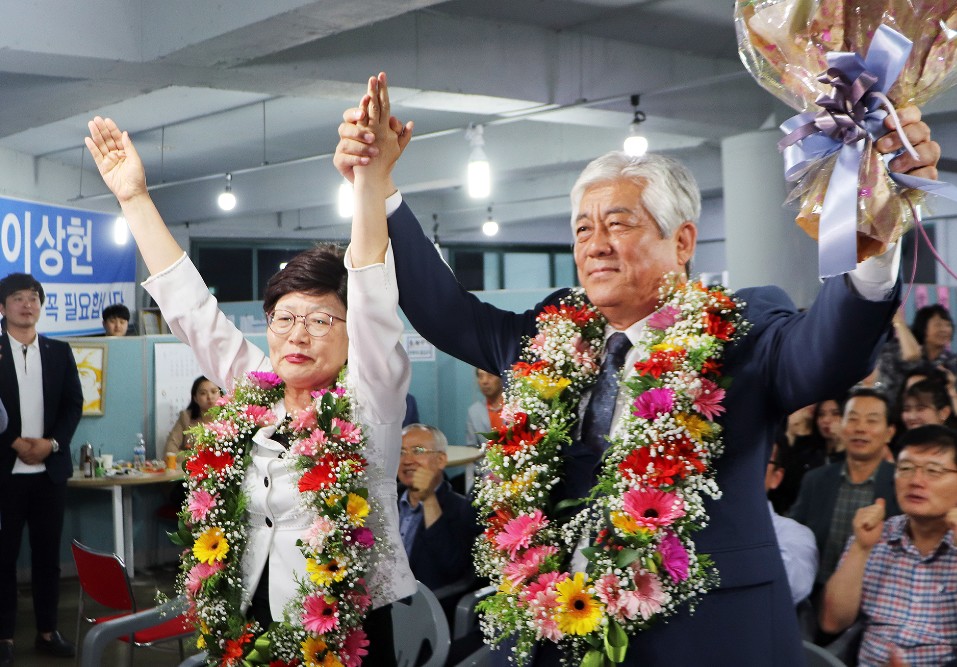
<point>846,64</point>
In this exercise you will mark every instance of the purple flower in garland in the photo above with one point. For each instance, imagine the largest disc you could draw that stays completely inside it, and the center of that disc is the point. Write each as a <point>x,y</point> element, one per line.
<point>264,379</point>
<point>674,557</point>
<point>363,537</point>
<point>663,318</point>
<point>654,402</point>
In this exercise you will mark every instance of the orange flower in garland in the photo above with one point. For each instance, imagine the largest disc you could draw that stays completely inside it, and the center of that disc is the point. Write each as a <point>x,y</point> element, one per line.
<point>496,522</point>
<point>580,316</point>
<point>233,649</point>
<point>206,460</point>
<point>525,369</point>
<point>711,367</point>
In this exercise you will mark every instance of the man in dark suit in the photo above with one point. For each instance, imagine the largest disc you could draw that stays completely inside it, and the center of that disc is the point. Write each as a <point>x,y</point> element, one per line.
<point>40,387</point>
<point>438,525</point>
<point>634,221</point>
<point>831,495</point>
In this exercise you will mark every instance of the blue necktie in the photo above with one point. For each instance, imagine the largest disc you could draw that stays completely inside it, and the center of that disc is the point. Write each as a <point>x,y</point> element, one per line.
<point>596,424</point>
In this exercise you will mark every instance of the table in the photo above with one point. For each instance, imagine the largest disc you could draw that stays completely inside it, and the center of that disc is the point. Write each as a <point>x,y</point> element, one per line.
<point>460,455</point>
<point>120,487</point>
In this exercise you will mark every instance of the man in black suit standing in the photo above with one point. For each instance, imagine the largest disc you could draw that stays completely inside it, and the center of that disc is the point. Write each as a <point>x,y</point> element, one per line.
<point>40,387</point>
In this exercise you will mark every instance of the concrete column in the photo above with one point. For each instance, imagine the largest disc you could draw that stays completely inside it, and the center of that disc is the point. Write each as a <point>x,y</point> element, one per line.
<point>763,246</point>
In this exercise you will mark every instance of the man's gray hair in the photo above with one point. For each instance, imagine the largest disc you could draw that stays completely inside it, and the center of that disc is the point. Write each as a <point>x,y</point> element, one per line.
<point>438,438</point>
<point>670,193</point>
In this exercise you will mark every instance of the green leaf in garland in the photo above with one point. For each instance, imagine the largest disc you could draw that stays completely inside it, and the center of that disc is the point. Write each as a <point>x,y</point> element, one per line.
<point>592,553</point>
<point>616,641</point>
<point>626,557</point>
<point>593,658</point>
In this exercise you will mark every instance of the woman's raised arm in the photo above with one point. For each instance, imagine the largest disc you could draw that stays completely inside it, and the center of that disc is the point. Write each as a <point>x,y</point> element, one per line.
<point>122,171</point>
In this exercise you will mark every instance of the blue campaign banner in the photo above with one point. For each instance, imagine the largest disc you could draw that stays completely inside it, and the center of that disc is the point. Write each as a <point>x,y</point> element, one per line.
<point>73,255</point>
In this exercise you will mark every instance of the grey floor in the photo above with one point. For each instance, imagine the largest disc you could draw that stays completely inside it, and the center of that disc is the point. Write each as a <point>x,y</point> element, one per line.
<point>144,589</point>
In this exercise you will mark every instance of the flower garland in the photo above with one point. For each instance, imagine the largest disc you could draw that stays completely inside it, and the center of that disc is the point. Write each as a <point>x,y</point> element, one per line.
<point>638,520</point>
<point>323,623</point>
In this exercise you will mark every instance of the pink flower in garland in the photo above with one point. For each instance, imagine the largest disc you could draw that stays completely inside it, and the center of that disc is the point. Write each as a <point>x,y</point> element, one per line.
<point>528,564</point>
<point>310,446</point>
<point>358,597</point>
<point>649,596</point>
<point>200,573</point>
<point>654,402</point>
<point>707,399</point>
<point>518,532</point>
<point>223,430</point>
<point>259,415</point>
<point>663,318</point>
<point>652,508</point>
<point>674,557</point>
<point>354,648</point>
<point>320,614</point>
<point>264,379</point>
<point>304,420</point>
<point>545,582</point>
<point>543,606</point>
<point>348,431</point>
<point>316,535</point>
<point>200,503</point>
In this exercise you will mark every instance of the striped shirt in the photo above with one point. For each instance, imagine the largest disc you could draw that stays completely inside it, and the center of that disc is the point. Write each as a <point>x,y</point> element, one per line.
<point>909,600</point>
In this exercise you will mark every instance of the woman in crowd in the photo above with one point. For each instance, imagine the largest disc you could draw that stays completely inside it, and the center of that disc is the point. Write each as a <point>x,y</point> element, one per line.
<point>926,341</point>
<point>202,396</point>
<point>926,402</point>
<point>827,422</point>
<point>309,337</point>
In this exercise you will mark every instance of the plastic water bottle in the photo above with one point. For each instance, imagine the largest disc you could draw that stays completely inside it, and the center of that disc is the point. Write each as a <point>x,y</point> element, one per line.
<point>139,451</point>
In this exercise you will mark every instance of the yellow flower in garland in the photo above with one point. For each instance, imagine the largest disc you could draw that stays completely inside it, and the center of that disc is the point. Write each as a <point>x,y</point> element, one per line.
<point>325,573</point>
<point>331,660</point>
<point>211,546</point>
<point>358,509</point>
<point>697,427</point>
<point>332,501</point>
<point>665,346</point>
<point>579,613</point>
<point>625,523</point>
<point>547,386</point>
<point>312,649</point>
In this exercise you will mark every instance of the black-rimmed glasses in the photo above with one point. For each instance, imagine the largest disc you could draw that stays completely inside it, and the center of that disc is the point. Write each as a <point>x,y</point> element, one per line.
<point>317,324</point>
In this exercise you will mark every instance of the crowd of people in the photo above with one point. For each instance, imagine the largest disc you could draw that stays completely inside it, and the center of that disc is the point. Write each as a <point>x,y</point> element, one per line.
<point>849,510</point>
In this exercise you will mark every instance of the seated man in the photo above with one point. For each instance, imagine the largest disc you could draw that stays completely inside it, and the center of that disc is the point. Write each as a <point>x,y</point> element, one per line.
<point>116,320</point>
<point>796,541</point>
<point>830,495</point>
<point>438,525</point>
<point>899,573</point>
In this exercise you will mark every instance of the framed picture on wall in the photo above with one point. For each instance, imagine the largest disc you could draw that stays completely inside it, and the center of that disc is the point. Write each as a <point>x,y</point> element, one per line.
<point>91,364</point>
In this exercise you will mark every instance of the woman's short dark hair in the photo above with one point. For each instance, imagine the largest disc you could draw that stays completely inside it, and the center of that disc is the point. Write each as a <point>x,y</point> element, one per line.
<point>316,272</point>
<point>923,316</point>
<point>193,407</point>
<point>937,392</point>
<point>15,282</point>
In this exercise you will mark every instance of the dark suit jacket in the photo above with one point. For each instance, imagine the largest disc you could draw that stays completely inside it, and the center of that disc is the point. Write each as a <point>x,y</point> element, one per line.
<point>818,496</point>
<point>442,553</point>
<point>62,405</point>
<point>788,360</point>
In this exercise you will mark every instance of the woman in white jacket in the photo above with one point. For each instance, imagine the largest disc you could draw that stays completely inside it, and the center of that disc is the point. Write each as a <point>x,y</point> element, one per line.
<point>310,337</point>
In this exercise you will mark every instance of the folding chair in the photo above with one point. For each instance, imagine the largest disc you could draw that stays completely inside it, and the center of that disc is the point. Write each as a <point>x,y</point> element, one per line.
<point>417,624</point>
<point>103,579</point>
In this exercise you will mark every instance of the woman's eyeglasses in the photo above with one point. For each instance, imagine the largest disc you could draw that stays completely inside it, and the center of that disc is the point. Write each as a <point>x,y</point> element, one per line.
<point>317,324</point>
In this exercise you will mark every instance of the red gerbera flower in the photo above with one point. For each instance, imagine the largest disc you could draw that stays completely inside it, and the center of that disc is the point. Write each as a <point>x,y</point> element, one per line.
<point>718,327</point>
<point>497,521</point>
<point>517,436</point>
<point>661,361</point>
<point>321,476</point>
<point>208,461</point>
<point>711,367</point>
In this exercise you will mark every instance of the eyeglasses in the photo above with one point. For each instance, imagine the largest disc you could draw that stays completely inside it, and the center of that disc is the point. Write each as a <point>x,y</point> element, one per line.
<point>317,324</point>
<point>932,470</point>
<point>418,451</point>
